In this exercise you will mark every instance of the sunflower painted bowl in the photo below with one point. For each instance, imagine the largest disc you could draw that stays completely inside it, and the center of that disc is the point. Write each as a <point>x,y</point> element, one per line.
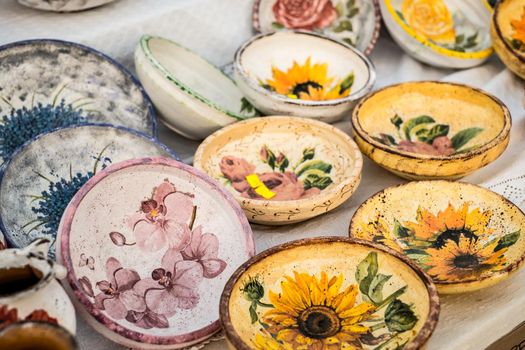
<point>464,236</point>
<point>442,33</point>
<point>431,130</point>
<point>508,34</point>
<point>194,97</point>
<point>354,22</point>
<point>283,170</point>
<point>329,293</point>
<point>302,74</point>
<point>63,5</point>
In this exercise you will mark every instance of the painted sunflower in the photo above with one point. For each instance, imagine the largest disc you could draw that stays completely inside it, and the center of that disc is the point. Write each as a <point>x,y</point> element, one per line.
<point>312,313</point>
<point>378,231</point>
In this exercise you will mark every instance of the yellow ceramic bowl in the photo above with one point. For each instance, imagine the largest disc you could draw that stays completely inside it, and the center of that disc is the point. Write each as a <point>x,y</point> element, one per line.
<point>329,290</point>
<point>464,236</point>
<point>282,170</point>
<point>508,34</point>
<point>431,130</point>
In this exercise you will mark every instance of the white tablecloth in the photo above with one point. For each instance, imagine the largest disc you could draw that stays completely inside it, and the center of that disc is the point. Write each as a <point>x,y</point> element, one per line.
<point>215,28</point>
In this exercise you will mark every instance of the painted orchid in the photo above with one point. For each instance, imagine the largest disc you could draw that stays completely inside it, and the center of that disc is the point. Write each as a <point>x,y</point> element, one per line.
<point>204,249</point>
<point>147,319</point>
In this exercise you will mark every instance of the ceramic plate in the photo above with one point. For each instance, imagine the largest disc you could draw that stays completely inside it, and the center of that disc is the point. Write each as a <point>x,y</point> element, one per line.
<point>329,293</point>
<point>163,239</point>
<point>464,236</point>
<point>46,84</point>
<point>63,5</point>
<point>283,169</point>
<point>431,130</point>
<point>44,175</point>
<point>354,22</point>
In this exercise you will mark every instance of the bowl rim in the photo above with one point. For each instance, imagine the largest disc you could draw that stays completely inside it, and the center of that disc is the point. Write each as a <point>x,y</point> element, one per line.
<point>351,179</point>
<point>500,34</point>
<point>368,50</point>
<point>516,264</point>
<point>80,296</point>
<point>354,96</point>
<point>422,336</point>
<point>500,137</point>
<point>144,46</point>
<point>480,54</point>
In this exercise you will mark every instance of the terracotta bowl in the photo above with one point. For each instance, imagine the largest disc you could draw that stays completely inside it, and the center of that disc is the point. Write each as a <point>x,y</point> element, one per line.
<point>464,236</point>
<point>302,74</point>
<point>149,245</point>
<point>442,33</point>
<point>193,96</point>
<point>63,5</point>
<point>325,291</point>
<point>508,41</point>
<point>431,130</point>
<point>282,169</point>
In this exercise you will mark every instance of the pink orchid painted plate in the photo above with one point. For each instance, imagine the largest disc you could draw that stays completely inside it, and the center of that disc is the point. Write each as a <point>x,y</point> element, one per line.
<point>149,245</point>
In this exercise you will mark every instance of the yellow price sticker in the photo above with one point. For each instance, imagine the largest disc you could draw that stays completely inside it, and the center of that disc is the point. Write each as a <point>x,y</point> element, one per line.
<point>259,187</point>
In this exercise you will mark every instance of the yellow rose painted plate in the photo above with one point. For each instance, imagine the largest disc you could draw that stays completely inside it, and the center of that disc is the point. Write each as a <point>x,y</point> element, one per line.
<point>464,236</point>
<point>329,293</point>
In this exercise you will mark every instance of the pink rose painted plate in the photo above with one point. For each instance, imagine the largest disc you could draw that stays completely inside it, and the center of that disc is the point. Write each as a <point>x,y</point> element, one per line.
<point>149,245</point>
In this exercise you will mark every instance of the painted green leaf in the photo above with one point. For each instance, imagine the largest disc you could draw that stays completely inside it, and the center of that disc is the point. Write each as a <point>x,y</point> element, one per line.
<point>397,121</point>
<point>308,153</point>
<point>348,41</point>
<point>366,271</point>
<point>339,9</point>
<point>464,136</point>
<point>343,26</point>
<point>411,123</point>
<point>346,83</point>
<point>472,38</point>
<point>315,164</point>
<point>319,181</point>
<point>386,139</point>
<point>399,317</point>
<point>435,132</point>
<point>277,25</point>
<point>460,39</point>
<point>376,287</point>
<point>399,230</point>
<point>253,312</point>
<point>508,240</point>
<point>401,16</point>
<point>415,251</point>
<point>353,12</point>
<point>350,4</point>
<point>283,164</point>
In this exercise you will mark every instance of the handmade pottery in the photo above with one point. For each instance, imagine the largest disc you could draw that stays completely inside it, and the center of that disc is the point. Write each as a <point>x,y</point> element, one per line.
<point>442,33</point>
<point>325,291</point>
<point>464,236</point>
<point>63,5</point>
<point>165,240</point>
<point>431,130</point>
<point>302,74</point>
<point>508,34</point>
<point>44,175</point>
<point>29,290</point>
<point>283,169</point>
<point>46,84</point>
<point>354,22</point>
<point>25,334</point>
<point>194,97</point>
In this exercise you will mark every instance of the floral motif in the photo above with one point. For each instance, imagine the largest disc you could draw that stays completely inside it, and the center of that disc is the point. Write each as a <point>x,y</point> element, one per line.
<point>517,39</point>
<point>9,316</point>
<point>304,14</point>
<point>204,249</point>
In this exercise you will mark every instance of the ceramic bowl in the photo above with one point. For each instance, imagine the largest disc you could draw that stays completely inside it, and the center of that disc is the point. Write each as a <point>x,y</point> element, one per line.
<point>24,335</point>
<point>326,291</point>
<point>281,169</point>
<point>431,130</point>
<point>507,36</point>
<point>63,5</point>
<point>163,238</point>
<point>194,97</point>
<point>354,22</point>
<point>44,175</point>
<point>45,84</point>
<point>464,236</point>
<point>302,74</point>
<point>442,33</point>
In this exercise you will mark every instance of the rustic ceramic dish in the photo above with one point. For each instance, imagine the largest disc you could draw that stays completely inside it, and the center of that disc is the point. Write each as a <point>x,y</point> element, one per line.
<point>63,5</point>
<point>326,291</point>
<point>194,97</point>
<point>431,130</point>
<point>302,74</point>
<point>25,334</point>
<point>46,84</point>
<point>44,175</point>
<point>508,34</point>
<point>282,169</point>
<point>443,33</point>
<point>166,239</point>
<point>356,23</point>
<point>464,236</point>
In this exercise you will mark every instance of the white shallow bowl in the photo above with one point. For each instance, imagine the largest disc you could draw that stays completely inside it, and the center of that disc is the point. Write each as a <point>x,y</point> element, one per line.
<point>63,5</point>
<point>193,96</point>
<point>255,58</point>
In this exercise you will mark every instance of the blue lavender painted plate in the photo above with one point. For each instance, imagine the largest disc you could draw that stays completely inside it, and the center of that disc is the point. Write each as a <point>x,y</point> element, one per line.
<point>44,174</point>
<point>47,84</point>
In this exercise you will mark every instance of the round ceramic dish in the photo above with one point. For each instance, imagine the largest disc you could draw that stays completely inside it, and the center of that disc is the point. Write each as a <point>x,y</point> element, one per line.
<point>464,236</point>
<point>508,34</point>
<point>443,33</point>
<point>431,130</point>
<point>325,291</point>
<point>46,84</point>
<point>354,22</point>
<point>44,175</point>
<point>164,241</point>
<point>24,335</point>
<point>63,5</point>
<point>194,97</point>
<point>310,167</point>
<point>309,67</point>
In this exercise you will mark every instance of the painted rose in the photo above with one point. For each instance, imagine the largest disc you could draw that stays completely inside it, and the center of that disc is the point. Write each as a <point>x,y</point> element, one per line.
<point>431,19</point>
<point>441,146</point>
<point>236,169</point>
<point>204,248</point>
<point>304,14</point>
